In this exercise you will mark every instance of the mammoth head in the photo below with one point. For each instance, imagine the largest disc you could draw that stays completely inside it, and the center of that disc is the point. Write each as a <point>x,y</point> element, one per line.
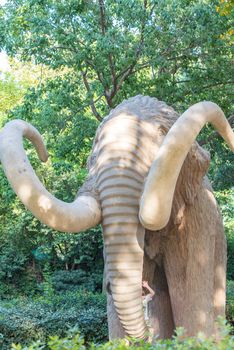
<point>125,203</point>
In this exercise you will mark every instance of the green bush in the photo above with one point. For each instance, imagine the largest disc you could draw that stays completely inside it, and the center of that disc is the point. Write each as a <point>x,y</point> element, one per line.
<point>63,280</point>
<point>230,302</point>
<point>226,203</point>
<point>74,342</point>
<point>26,320</point>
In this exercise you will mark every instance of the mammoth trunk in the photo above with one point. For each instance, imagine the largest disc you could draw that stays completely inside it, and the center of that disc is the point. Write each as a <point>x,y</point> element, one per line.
<point>122,167</point>
<point>124,244</point>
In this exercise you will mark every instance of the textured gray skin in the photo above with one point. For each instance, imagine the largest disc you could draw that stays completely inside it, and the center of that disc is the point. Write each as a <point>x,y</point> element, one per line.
<point>185,261</point>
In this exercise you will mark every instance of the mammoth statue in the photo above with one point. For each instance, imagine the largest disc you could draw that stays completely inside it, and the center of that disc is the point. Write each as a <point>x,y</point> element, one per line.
<point>147,187</point>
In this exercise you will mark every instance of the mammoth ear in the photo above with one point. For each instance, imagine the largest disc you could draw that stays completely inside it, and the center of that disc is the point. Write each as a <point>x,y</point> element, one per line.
<point>192,172</point>
<point>189,181</point>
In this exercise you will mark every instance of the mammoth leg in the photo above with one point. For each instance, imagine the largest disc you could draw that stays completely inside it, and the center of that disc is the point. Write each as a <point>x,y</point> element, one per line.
<point>191,289</point>
<point>160,311</point>
<point>189,266</point>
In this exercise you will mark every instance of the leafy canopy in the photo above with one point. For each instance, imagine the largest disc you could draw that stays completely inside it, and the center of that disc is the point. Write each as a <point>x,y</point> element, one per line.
<point>170,49</point>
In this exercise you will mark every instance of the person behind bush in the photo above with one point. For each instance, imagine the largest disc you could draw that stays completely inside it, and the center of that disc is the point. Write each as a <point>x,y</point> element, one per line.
<point>146,298</point>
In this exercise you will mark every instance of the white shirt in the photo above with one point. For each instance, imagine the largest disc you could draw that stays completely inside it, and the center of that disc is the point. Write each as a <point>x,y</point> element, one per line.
<point>146,300</point>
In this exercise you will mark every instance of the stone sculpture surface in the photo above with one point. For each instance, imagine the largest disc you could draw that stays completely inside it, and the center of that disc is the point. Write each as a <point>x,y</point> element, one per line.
<point>147,187</point>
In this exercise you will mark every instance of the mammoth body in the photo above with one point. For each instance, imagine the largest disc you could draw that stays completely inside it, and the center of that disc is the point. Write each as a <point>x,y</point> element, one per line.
<point>147,187</point>
<point>185,262</point>
<point>123,151</point>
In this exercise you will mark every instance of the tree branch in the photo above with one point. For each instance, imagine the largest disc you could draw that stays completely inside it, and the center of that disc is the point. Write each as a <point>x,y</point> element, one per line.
<point>88,104</point>
<point>182,81</point>
<point>102,17</point>
<point>92,103</point>
<point>208,86</point>
<point>103,25</point>
<point>63,48</point>
<point>119,79</point>
<point>217,84</point>
<point>141,66</point>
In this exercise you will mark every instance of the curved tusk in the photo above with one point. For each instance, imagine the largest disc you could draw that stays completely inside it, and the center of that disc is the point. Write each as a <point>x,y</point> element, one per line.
<point>77,216</point>
<point>156,201</point>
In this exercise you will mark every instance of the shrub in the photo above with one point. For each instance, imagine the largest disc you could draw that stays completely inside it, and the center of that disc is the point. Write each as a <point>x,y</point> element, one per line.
<point>25,320</point>
<point>63,280</point>
<point>230,302</point>
<point>74,342</point>
<point>226,203</point>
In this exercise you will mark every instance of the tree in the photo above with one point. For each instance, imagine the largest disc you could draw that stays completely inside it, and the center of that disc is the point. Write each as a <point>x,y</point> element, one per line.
<point>27,246</point>
<point>99,53</point>
<point>174,50</point>
<point>171,49</point>
<point>226,9</point>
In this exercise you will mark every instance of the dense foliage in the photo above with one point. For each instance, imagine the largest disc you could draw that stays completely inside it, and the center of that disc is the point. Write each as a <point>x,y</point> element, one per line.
<point>81,58</point>
<point>175,50</point>
<point>226,202</point>
<point>26,320</point>
<point>73,341</point>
